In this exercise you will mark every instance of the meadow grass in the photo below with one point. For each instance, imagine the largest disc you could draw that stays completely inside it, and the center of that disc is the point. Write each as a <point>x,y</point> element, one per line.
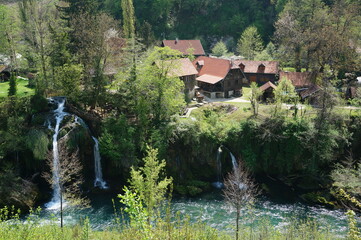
<point>22,88</point>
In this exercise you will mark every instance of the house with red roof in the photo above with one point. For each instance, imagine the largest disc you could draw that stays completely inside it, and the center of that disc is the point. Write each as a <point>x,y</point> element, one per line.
<point>301,80</point>
<point>218,78</point>
<point>185,71</point>
<point>184,46</point>
<point>259,71</point>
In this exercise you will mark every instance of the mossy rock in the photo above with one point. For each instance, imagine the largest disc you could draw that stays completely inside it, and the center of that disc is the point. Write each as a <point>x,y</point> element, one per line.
<point>318,198</point>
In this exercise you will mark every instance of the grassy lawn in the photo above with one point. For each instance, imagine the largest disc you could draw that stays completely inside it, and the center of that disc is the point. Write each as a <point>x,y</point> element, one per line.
<point>22,89</point>
<point>246,93</point>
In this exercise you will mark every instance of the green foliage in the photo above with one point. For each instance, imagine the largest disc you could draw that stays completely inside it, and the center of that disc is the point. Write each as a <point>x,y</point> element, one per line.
<point>149,183</point>
<point>220,49</point>
<point>37,141</point>
<point>117,142</point>
<point>347,178</point>
<point>250,44</point>
<point>255,97</point>
<point>133,206</point>
<point>128,18</point>
<point>354,233</point>
<point>69,78</point>
<point>12,85</point>
<point>159,92</point>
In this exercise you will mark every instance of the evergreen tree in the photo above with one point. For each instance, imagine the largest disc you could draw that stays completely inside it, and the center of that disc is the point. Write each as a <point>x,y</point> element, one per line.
<point>219,49</point>
<point>250,44</point>
<point>12,85</point>
<point>128,18</point>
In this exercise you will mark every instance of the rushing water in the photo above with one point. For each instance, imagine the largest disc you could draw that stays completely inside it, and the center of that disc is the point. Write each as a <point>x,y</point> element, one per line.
<point>212,210</point>
<point>59,116</point>
<point>99,182</point>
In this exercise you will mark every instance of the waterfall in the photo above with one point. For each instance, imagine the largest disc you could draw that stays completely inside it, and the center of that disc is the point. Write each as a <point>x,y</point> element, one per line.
<point>219,183</point>
<point>234,161</point>
<point>59,116</point>
<point>99,182</point>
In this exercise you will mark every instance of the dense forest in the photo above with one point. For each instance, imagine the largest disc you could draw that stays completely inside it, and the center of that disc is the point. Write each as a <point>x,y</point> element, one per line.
<point>104,58</point>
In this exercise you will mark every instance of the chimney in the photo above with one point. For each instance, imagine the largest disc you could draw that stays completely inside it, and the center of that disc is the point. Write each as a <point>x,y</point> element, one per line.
<point>176,41</point>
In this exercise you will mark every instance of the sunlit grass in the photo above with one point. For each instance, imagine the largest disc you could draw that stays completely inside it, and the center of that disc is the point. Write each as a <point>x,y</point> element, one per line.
<point>22,88</point>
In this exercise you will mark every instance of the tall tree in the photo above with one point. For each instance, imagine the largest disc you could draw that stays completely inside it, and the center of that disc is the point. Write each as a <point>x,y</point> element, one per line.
<point>240,191</point>
<point>250,44</point>
<point>128,18</point>
<point>220,49</point>
<point>311,34</point>
<point>7,38</point>
<point>35,17</point>
<point>149,183</point>
<point>160,92</point>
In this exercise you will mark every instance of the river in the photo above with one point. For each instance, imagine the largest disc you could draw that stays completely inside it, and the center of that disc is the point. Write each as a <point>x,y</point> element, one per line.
<point>212,210</point>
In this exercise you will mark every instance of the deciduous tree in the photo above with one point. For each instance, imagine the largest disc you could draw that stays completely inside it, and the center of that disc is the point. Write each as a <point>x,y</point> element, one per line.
<point>240,190</point>
<point>250,44</point>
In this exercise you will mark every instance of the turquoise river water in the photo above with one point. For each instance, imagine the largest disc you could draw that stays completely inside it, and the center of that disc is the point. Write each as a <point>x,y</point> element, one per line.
<point>212,210</point>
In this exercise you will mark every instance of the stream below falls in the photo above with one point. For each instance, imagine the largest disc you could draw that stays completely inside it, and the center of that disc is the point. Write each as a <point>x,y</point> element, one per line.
<point>213,211</point>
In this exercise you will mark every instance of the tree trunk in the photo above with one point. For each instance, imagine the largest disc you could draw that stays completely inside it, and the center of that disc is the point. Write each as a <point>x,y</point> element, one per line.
<point>237,223</point>
<point>61,208</point>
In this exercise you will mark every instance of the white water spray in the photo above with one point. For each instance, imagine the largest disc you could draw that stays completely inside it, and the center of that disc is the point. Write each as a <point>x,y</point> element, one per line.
<point>99,182</point>
<point>59,116</point>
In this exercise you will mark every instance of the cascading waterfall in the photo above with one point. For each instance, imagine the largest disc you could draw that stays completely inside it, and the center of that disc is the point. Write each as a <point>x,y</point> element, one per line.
<point>59,116</point>
<point>219,183</point>
<point>234,161</point>
<point>99,182</point>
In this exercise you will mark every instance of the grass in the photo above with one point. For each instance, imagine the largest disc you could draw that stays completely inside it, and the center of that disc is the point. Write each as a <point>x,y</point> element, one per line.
<point>22,89</point>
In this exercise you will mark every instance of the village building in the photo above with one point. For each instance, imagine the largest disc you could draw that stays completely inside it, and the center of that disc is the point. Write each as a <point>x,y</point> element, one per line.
<point>218,78</point>
<point>4,73</point>
<point>184,69</point>
<point>300,80</point>
<point>185,46</point>
<point>259,72</point>
<point>267,90</point>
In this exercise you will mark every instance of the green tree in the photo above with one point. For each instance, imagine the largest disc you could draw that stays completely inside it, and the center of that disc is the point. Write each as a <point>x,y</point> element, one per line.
<point>250,44</point>
<point>128,18</point>
<point>148,182</point>
<point>312,34</point>
<point>285,93</point>
<point>254,98</point>
<point>220,49</point>
<point>69,77</point>
<point>12,85</point>
<point>160,93</point>
<point>8,26</point>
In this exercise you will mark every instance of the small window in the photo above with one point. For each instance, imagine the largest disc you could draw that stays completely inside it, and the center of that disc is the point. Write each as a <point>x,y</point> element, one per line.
<point>261,68</point>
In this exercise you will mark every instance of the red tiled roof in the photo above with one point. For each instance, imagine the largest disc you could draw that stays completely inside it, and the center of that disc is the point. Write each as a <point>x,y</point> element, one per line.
<point>267,85</point>
<point>298,79</point>
<point>184,45</point>
<point>209,79</point>
<point>213,66</point>
<point>271,67</point>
